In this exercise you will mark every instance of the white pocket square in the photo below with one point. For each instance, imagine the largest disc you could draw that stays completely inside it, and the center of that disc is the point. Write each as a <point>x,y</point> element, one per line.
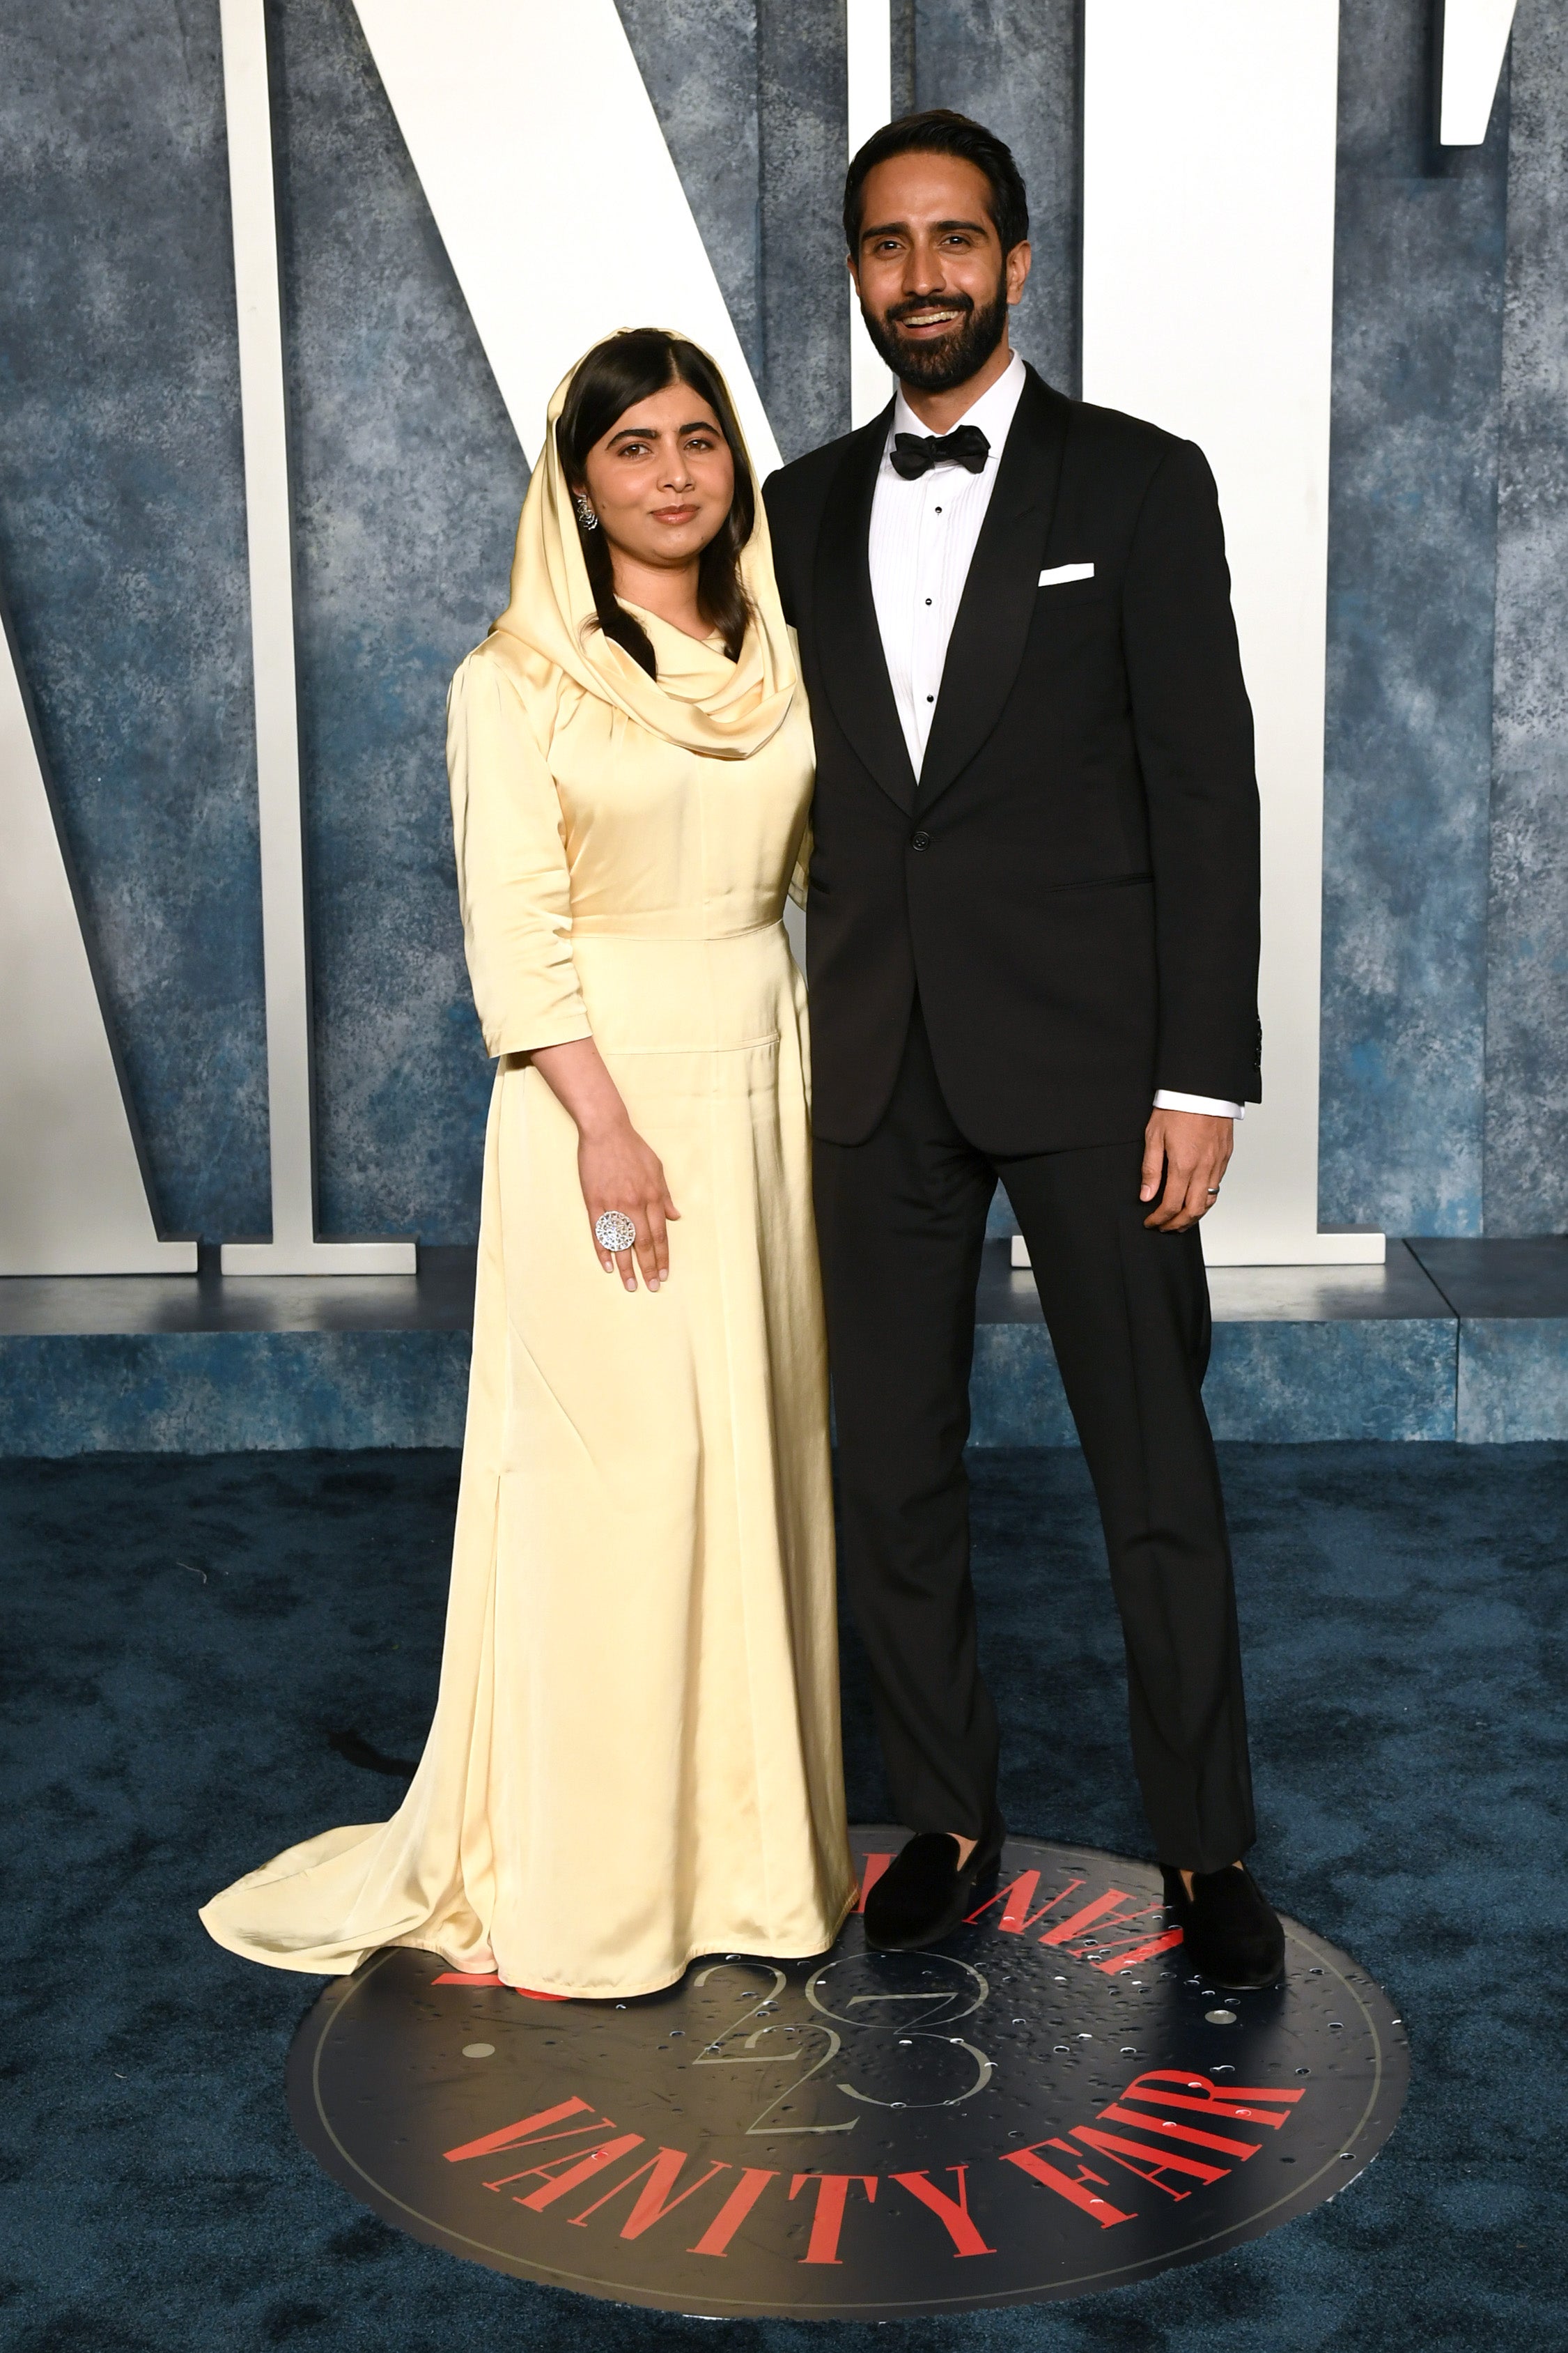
<point>1060,571</point>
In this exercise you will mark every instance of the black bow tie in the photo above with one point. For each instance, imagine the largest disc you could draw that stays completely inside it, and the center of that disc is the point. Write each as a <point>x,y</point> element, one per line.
<point>915,454</point>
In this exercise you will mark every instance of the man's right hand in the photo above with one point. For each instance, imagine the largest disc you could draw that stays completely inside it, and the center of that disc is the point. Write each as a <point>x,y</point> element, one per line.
<point>1186,1155</point>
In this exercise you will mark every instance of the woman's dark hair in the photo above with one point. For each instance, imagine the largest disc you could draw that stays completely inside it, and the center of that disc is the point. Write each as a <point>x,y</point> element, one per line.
<point>939,131</point>
<point>615,375</point>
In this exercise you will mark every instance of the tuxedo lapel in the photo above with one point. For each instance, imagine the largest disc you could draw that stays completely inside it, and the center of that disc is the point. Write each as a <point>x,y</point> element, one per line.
<point>854,667</point>
<point>999,602</point>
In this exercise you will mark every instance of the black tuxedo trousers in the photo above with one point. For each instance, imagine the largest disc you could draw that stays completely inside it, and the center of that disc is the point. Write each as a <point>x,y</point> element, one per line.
<point>902,1222</point>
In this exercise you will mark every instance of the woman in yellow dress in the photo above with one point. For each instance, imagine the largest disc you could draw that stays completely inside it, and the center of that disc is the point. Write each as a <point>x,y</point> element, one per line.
<point>634,1757</point>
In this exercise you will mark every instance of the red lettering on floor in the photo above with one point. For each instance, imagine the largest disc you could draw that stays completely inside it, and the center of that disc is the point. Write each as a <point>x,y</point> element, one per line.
<point>579,2168</point>
<point>1017,1896</point>
<point>827,2222</point>
<point>876,1864</point>
<point>510,2134</point>
<point>1116,2114</point>
<point>654,2202</point>
<point>1208,2100</point>
<point>471,1977</point>
<point>1085,1917</point>
<point>951,2214</point>
<point>1148,2163</point>
<point>716,2238</point>
<point>1029,2161</point>
<point>1164,1942</point>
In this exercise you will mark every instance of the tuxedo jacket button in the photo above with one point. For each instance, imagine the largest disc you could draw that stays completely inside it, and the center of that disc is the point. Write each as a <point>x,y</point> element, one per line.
<point>921,840</point>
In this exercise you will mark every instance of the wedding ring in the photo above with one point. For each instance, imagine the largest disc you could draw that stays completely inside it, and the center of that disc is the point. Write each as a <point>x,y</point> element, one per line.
<point>1214,1192</point>
<point>614,1231</point>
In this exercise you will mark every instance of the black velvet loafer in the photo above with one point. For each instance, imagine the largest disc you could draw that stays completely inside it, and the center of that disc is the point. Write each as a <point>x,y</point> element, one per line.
<point>1229,1930</point>
<point>925,1891</point>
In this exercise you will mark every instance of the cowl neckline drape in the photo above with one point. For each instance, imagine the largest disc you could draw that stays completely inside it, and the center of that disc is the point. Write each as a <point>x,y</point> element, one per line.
<point>727,710</point>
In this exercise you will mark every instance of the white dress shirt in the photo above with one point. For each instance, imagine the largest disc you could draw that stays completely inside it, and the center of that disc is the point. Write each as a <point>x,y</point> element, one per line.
<point>922,542</point>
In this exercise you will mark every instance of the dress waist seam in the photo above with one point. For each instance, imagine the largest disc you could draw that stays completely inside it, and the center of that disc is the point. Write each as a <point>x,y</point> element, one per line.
<point>739,1046</point>
<point>592,927</point>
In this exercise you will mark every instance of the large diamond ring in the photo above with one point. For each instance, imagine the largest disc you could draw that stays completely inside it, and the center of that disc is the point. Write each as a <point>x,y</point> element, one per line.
<point>615,1231</point>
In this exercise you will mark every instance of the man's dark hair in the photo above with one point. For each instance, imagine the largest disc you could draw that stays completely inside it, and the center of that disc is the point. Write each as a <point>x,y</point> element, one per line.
<point>939,131</point>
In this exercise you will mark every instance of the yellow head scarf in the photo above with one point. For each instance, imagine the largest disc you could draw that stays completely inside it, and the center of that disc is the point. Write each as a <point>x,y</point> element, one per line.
<point>553,613</point>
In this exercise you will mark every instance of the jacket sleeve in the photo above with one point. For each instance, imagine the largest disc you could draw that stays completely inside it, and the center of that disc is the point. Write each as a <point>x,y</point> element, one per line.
<point>513,881</point>
<point>1193,724</point>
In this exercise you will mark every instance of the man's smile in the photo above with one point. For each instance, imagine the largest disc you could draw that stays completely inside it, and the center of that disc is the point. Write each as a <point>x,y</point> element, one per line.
<point>929,319</point>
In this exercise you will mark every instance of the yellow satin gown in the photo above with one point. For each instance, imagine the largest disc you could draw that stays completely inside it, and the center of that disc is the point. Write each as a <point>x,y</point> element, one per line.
<point>634,1757</point>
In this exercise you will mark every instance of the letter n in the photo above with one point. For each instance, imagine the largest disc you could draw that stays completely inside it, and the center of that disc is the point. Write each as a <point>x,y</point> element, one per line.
<point>654,2202</point>
<point>1015,1899</point>
<point>578,2169</point>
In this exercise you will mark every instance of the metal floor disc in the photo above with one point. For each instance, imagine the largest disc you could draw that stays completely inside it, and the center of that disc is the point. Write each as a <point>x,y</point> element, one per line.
<point>1047,2105</point>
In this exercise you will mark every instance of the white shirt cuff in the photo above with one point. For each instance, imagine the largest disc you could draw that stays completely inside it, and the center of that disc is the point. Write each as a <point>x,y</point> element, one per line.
<point>1165,1101</point>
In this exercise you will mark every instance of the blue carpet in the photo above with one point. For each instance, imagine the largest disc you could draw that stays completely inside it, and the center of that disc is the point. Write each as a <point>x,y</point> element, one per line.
<point>185,1639</point>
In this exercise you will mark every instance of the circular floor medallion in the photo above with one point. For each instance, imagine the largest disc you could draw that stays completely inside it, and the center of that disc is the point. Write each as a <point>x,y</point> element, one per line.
<point>1047,2105</point>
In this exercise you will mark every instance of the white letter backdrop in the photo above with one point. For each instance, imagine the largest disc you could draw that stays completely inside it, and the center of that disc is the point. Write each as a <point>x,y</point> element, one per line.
<point>1208,196</point>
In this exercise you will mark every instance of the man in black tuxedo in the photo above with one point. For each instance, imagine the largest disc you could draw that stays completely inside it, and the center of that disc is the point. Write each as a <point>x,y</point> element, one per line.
<point>1032,947</point>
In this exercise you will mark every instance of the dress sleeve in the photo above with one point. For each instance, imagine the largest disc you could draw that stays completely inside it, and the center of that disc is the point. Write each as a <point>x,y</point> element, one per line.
<point>513,881</point>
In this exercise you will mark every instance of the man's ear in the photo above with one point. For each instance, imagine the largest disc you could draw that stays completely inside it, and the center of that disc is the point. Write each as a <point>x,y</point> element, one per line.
<point>849,265</point>
<point>1017,266</point>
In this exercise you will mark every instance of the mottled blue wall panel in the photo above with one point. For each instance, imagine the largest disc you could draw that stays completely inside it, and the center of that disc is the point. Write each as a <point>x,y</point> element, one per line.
<point>1309,1381</point>
<point>407,481</point>
<point>1417,347</point>
<point>122,551</point>
<point>230,1392</point>
<point>1014,65</point>
<point>1513,1379</point>
<point>802,100</point>
<point>1527,1008</point>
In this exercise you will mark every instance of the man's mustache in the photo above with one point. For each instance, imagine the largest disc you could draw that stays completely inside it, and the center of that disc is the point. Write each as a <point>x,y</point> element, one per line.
<point>962,304</point>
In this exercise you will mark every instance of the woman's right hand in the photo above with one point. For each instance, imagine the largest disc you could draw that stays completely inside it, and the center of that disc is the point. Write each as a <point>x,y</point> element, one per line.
<point>618,1171</point>
<point>616,1168</point>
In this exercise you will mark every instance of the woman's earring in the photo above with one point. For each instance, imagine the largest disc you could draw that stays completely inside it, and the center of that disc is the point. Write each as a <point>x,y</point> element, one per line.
<point>587,520</point>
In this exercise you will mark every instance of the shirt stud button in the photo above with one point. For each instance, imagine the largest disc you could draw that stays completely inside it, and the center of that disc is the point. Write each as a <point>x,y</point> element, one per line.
<point>921,840</point>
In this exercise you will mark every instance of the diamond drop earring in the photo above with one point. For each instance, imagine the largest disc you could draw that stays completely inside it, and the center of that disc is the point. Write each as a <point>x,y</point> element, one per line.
<point>587,520</point>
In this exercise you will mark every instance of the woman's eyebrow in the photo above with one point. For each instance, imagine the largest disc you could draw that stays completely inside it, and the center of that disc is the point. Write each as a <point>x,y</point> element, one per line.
<point>650,432</point>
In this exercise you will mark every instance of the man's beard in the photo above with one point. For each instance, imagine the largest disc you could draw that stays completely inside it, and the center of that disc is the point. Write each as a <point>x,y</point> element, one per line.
<point>962,352</point>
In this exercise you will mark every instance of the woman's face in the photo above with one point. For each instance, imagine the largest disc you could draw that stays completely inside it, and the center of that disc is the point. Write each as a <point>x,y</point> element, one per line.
<point>662,479</point>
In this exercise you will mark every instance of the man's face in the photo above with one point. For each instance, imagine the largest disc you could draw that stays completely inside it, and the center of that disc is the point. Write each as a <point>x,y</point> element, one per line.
<point>933,282</point>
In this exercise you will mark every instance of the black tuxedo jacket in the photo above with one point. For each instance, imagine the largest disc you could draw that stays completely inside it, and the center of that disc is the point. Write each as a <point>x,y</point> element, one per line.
<point>1071,885</point>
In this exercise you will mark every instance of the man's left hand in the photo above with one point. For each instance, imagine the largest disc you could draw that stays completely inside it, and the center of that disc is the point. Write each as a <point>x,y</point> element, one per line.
<point>1186,1154</point>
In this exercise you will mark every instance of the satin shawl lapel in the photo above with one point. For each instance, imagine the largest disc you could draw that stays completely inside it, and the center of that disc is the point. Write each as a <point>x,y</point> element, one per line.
<point>850,644</point>
<point>999,602</point>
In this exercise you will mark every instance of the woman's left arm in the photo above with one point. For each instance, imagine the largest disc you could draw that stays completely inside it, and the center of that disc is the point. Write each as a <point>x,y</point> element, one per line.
<point>617,1169</point>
